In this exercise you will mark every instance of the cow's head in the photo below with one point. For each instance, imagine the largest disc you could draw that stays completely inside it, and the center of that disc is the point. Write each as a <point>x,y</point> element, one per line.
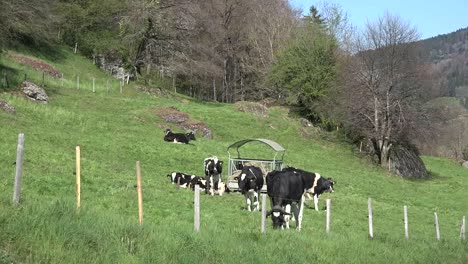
<point>168,131</point>
<point>248,180</point>
<point>213,166</point>
<point>277,216</point>
<point>172,176</point>
<point>190,135</point>
<point>329,185</point>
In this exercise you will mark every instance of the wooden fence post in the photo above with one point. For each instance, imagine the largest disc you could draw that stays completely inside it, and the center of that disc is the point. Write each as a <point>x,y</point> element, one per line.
<point>371,227</point>
<point>463,229</point>
<point>328,215</point>
<point>94,90</point>
<point>263,213</point>
<point>19,169</point>
<point>197,208</point>
<point>436,223</point>
<point>140,195</point>
<point>405,216</point>
<point>78,177</point>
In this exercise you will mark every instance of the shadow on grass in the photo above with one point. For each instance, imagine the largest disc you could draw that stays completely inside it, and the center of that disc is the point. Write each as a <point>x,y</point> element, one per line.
<point>9,78</point>
<point>43,51</point>
<point>433,176</point>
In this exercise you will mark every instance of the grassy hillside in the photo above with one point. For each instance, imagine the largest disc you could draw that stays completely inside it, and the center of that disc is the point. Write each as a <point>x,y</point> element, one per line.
<point>114,130</point>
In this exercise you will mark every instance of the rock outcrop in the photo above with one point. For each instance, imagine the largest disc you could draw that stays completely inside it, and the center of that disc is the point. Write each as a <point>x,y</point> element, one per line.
<point>34,92</point>
<point>407,163</point>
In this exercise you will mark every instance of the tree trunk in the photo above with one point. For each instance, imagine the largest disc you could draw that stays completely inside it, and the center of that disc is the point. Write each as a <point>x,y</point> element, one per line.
<point>225,83</point>
<point>214,89</point>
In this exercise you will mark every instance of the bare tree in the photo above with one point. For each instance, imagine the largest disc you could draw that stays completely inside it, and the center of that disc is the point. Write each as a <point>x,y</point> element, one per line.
<point>383,84</point>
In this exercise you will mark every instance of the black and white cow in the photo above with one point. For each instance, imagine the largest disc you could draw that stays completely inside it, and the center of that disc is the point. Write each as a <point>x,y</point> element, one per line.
<point>183,179</point>
<point>250,184</point>
<point>197,180</point>
<point>182,138</point>
<point>286,188</point>
<point>213,169</point>
<point>321,185</point>
<point>187,180</point>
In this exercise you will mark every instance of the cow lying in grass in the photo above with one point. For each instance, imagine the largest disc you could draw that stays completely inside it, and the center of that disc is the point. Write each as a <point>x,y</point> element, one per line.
<point>181,138</point>
<point>187,180</point>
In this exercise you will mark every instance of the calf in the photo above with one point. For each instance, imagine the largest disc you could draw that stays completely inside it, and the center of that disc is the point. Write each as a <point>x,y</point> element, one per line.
<point>250,184</point>
<point>182,138</point>
<point>213,169</point>
<point>320,185</point>
<point>285,189</point>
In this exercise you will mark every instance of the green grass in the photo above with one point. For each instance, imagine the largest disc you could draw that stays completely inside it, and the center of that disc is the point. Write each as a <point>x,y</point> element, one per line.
<point>115,130</point>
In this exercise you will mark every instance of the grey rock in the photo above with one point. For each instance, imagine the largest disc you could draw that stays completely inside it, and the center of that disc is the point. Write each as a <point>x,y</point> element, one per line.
<point>407,163</point>
<point>34,92</point>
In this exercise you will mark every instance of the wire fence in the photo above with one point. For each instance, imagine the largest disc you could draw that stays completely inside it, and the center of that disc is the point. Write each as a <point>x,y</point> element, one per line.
<point>198,208</point>
<point>10,79</point>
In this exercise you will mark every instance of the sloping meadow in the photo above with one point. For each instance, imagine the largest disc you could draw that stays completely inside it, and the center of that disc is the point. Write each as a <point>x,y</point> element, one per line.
<point>117,129</point>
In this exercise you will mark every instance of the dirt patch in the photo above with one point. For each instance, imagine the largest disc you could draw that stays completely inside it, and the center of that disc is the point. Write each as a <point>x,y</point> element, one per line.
<point>37,65</point>
<point>197,126</point>
<point>173,115</point>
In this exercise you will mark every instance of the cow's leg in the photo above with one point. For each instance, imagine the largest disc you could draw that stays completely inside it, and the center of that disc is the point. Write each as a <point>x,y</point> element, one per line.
<point>256,202</point>
<point>211,186</point>
<point>247,199</point>
<point>308,196</point>
<point>316,202</point>
<point>287,216</point>
<point>299,212</point>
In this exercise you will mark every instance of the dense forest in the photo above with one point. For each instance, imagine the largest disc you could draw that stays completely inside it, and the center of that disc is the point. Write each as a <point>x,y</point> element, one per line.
<point>373,84</point>
<point>449,55</point>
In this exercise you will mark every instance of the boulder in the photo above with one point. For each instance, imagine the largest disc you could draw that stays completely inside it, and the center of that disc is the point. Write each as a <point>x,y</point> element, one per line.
<point>6,107</point>
<point>406,163</point>
<point>34,92</point>
<point>465,164</point>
